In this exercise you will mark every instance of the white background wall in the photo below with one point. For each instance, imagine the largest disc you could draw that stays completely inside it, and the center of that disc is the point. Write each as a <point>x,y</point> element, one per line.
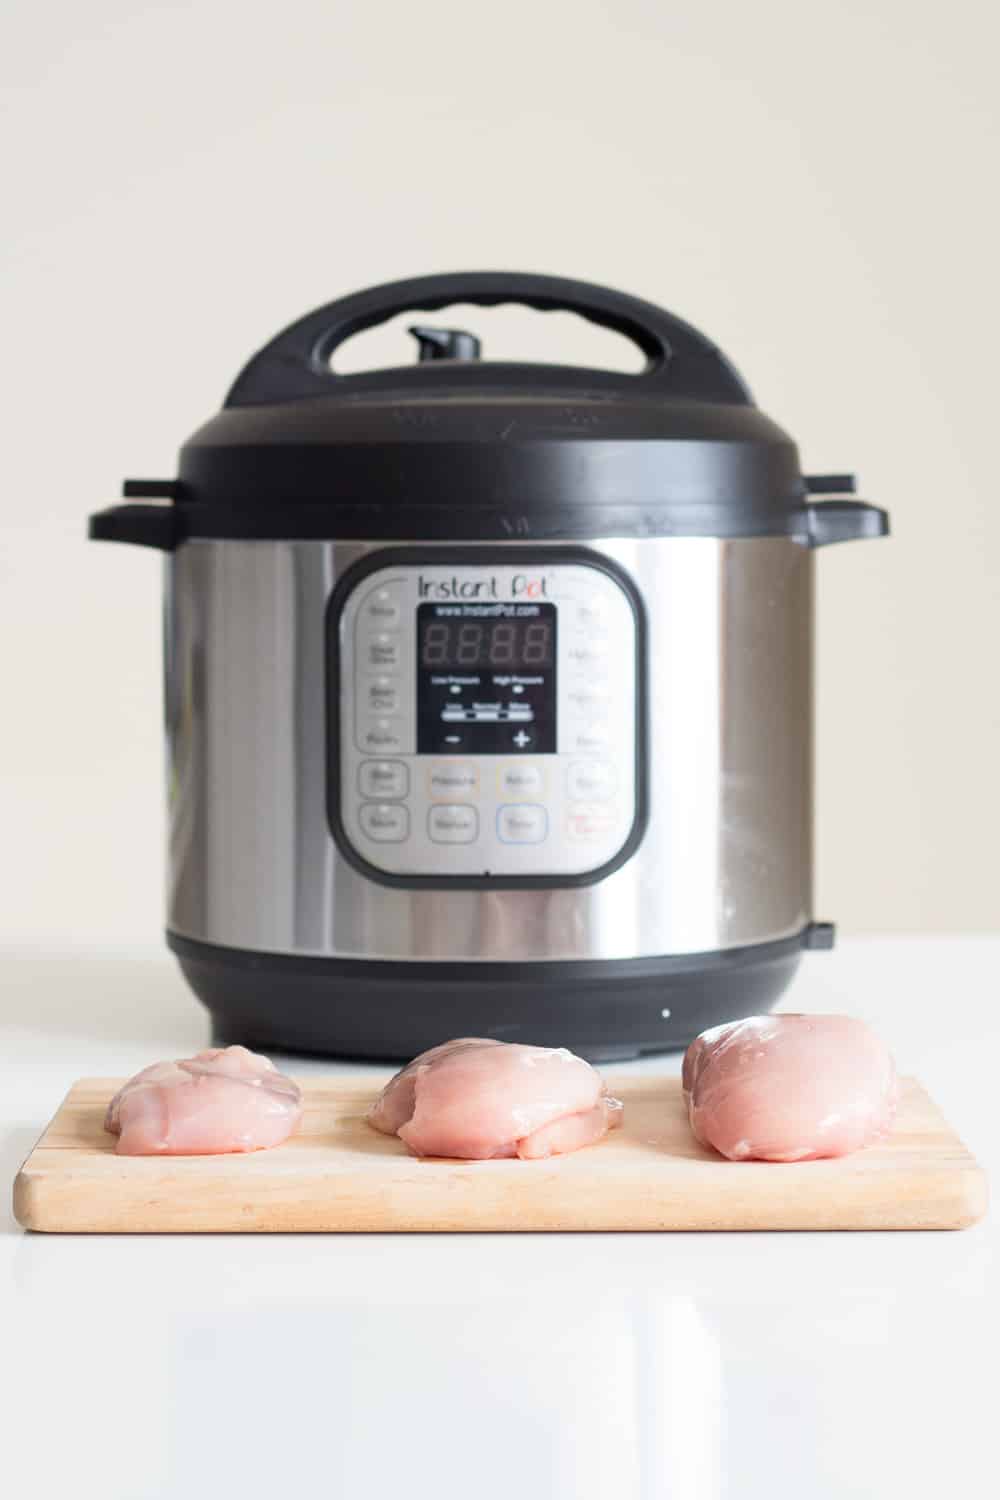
<point>814,184</point>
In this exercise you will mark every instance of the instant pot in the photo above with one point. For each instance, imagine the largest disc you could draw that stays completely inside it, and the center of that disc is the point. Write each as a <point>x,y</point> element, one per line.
<point>488,687</point>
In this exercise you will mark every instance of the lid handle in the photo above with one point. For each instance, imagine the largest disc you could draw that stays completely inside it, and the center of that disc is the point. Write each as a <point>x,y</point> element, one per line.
<point>828,521</point>
<point>142,525</point>
<point>295,365</point>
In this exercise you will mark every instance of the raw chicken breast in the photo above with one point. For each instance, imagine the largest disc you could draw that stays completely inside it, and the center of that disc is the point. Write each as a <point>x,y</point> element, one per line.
<point>225,1099</point>
<point>789,1088</point>
<point>477,1098</point>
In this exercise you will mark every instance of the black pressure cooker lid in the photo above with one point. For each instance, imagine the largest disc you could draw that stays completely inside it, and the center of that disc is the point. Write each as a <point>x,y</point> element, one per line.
<point>455,447</point>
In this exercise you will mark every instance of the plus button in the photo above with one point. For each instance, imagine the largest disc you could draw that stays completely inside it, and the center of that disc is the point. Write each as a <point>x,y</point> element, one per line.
<point>521,739</point>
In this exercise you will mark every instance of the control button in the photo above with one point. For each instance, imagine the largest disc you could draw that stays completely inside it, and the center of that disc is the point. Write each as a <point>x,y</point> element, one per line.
<point>586,654</point>
<point>453,779</point>
<point>381,736</point>
<point>383,778</point>
<point>588,823</point>
<point>381,696</point>
<point>588,700</point>
<point>592,613</point>
<point>520,780</point>
<point>592,737</point>
<point>524,739</point>
<point>381,610</point>
<point>522,823</point>
<point>384,652</point>
<point>458,824</point>
<point>385,822</point>
<point>591,781</point>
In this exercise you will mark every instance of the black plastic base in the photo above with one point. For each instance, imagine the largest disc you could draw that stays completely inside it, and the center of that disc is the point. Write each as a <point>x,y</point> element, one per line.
<point>604,1011</point>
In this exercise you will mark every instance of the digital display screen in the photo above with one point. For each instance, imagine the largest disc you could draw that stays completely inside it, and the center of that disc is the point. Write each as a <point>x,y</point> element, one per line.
<point>508,644</point>
<point>486,679</point>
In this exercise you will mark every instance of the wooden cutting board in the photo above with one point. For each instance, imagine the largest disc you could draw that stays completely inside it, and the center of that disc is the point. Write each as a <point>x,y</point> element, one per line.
<point>338,1174</point>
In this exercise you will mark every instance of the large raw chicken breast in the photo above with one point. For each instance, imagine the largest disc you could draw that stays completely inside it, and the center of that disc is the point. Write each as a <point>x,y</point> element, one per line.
<point>224,1099</point>
<point>477,1098</point>
<point>789,1087</point>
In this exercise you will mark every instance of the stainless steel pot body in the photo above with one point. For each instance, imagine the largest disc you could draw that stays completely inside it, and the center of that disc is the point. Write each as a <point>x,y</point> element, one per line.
<point>725,860</point>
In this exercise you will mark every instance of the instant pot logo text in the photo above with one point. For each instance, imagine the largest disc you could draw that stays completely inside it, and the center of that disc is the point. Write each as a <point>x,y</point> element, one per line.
<point>521,586</point>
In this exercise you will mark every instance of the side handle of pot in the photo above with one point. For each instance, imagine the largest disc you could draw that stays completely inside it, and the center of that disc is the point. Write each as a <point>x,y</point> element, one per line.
<point>828,521</point>
<point>155,522</point>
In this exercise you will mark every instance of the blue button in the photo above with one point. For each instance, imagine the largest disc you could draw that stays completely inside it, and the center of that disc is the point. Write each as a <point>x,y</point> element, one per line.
<point>522,823</point>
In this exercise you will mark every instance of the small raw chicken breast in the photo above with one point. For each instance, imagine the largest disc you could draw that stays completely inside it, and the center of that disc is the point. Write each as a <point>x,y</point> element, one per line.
<point>476,1098</point>
<point>789,1088</point>
<point>225,1099</point>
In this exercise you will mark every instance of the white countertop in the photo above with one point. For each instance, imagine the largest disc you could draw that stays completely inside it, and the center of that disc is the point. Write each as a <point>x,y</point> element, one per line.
<point>503,1367</point>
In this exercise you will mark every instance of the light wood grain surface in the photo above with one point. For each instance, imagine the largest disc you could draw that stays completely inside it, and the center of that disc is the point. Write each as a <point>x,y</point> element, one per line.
<point>337,1174</point>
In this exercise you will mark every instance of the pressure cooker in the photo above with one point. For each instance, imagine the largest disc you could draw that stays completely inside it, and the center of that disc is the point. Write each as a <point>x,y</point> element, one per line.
<point>488,687</point>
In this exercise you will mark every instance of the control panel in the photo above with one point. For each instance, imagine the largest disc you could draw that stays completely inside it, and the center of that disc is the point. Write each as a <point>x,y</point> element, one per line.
<point>485,717</point>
